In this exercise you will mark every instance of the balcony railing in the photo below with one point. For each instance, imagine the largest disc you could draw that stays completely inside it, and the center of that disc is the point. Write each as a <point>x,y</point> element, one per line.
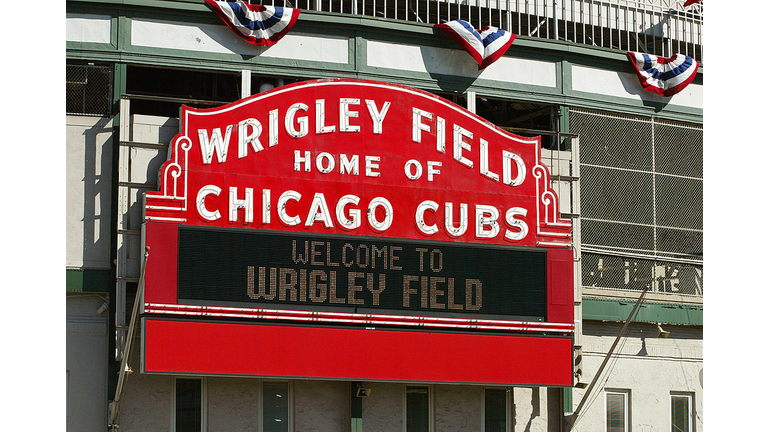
<point>660,27</point>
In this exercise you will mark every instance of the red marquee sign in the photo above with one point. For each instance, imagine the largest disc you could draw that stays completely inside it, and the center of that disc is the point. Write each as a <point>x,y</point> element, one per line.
<point>369,208</point>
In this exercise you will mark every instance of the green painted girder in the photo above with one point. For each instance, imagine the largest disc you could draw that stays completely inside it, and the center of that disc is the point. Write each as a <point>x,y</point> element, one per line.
<point>88,280</point>
<point>649,312</point>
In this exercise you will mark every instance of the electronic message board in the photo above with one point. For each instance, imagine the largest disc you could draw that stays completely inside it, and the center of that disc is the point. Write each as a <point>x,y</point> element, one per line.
<point>338,209</point>
<point>286,270</point>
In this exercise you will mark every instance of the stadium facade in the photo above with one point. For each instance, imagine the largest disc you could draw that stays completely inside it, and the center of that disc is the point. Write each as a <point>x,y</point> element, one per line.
<point>357,228</point>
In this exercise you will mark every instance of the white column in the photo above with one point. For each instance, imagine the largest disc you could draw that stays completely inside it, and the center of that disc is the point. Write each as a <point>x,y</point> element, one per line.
<point>245,83</point>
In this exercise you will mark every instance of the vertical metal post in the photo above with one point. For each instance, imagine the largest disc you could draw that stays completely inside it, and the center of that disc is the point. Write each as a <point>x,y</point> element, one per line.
<point>245,83</point>
<point>653,185</point>
<point>356,408</point>
<point>576,226</point>
<point>121,262</point>
<point>666,34</point>
<point>471,102</point>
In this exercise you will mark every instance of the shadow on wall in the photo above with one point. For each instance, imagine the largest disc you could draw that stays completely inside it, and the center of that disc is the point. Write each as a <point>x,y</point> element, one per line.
<point>535,408</point>
<point>97,191</point>
<point>225,37</point>
<point>454,70</point>
<point>631,84</point>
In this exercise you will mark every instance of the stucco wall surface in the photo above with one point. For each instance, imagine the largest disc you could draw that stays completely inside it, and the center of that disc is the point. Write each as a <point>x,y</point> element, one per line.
<point>457,408</point>
<point>86,364</point>
<point>233,404</point>
<point>321,406</point>
<point>383,409</point>
<point>535,409</point>
<point>146,400</point>
<point>88,190</point>
<point>651,368</point>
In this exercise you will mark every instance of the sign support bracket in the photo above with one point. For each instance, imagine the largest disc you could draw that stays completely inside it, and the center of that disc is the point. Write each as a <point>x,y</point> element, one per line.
<point>116,404</point>
<point>573,418</point>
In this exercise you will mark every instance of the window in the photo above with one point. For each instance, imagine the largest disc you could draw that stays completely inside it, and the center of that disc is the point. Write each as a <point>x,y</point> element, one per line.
<point>507,113</point>
<point>417,409</point>
<point>495,410</point>
<point>188,405</point>
<point>682,412</point>
<point>275,406</point>
<point>617,411</point>
<point>89,89</point>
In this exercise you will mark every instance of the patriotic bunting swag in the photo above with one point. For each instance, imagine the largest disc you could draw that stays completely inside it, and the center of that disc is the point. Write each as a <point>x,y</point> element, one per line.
<point>485,47</point>
<point>257,24</point>
<point>690,2</point>
<point>665,76</point>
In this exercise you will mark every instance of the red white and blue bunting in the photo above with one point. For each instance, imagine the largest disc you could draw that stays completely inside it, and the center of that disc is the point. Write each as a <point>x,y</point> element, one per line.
<point>662,75</point>
<point>257,24</point>
<point>485,46</point>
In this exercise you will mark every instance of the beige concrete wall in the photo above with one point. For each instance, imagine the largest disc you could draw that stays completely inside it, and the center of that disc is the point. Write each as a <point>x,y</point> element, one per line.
<point>651,368</point>
<point>88,190</point>
<point>233,404</point>
<point>383,410</point>
<point>146,403</point>
<point>458,408</point>
<point>321,406</point>
<point>86,364</point>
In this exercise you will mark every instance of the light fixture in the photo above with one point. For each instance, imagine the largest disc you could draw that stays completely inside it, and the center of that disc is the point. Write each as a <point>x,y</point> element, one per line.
<point>103,308</point>
<point>363,391</point>
<point>662,333</point>
<point>579,383</point>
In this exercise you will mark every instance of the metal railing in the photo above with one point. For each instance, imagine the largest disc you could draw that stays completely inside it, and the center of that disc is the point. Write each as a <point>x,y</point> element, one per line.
<point>660,27</point>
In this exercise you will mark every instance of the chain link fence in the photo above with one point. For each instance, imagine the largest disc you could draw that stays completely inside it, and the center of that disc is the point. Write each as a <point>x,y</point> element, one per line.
<point>89,90</point>
<point>641,202</point>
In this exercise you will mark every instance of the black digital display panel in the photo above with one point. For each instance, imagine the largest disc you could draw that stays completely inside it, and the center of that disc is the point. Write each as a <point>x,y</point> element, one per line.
<point>269,269</point>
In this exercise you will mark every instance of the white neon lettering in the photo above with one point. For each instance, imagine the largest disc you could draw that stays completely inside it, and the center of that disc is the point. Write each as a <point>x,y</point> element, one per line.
<point>200,202</point>
<point>281,207</point>
<point>246,139</point>
<point>215,143</point>
<point>420,224</point>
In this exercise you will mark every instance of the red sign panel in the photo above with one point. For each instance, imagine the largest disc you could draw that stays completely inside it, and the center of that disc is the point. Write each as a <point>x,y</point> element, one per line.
<point>356,354</point>
<point>355,204</point>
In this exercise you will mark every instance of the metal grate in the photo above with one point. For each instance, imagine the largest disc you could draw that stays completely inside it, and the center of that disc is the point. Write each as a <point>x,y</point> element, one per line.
<point>641,202</point>
<point>613,272</point>
<point>89,89</point>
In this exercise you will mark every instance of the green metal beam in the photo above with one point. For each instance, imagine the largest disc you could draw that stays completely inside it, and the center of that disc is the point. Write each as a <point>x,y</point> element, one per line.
<point>649,312</point>
<point>88,280</point>
<point>356,413</point>
<point>567,400</point>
